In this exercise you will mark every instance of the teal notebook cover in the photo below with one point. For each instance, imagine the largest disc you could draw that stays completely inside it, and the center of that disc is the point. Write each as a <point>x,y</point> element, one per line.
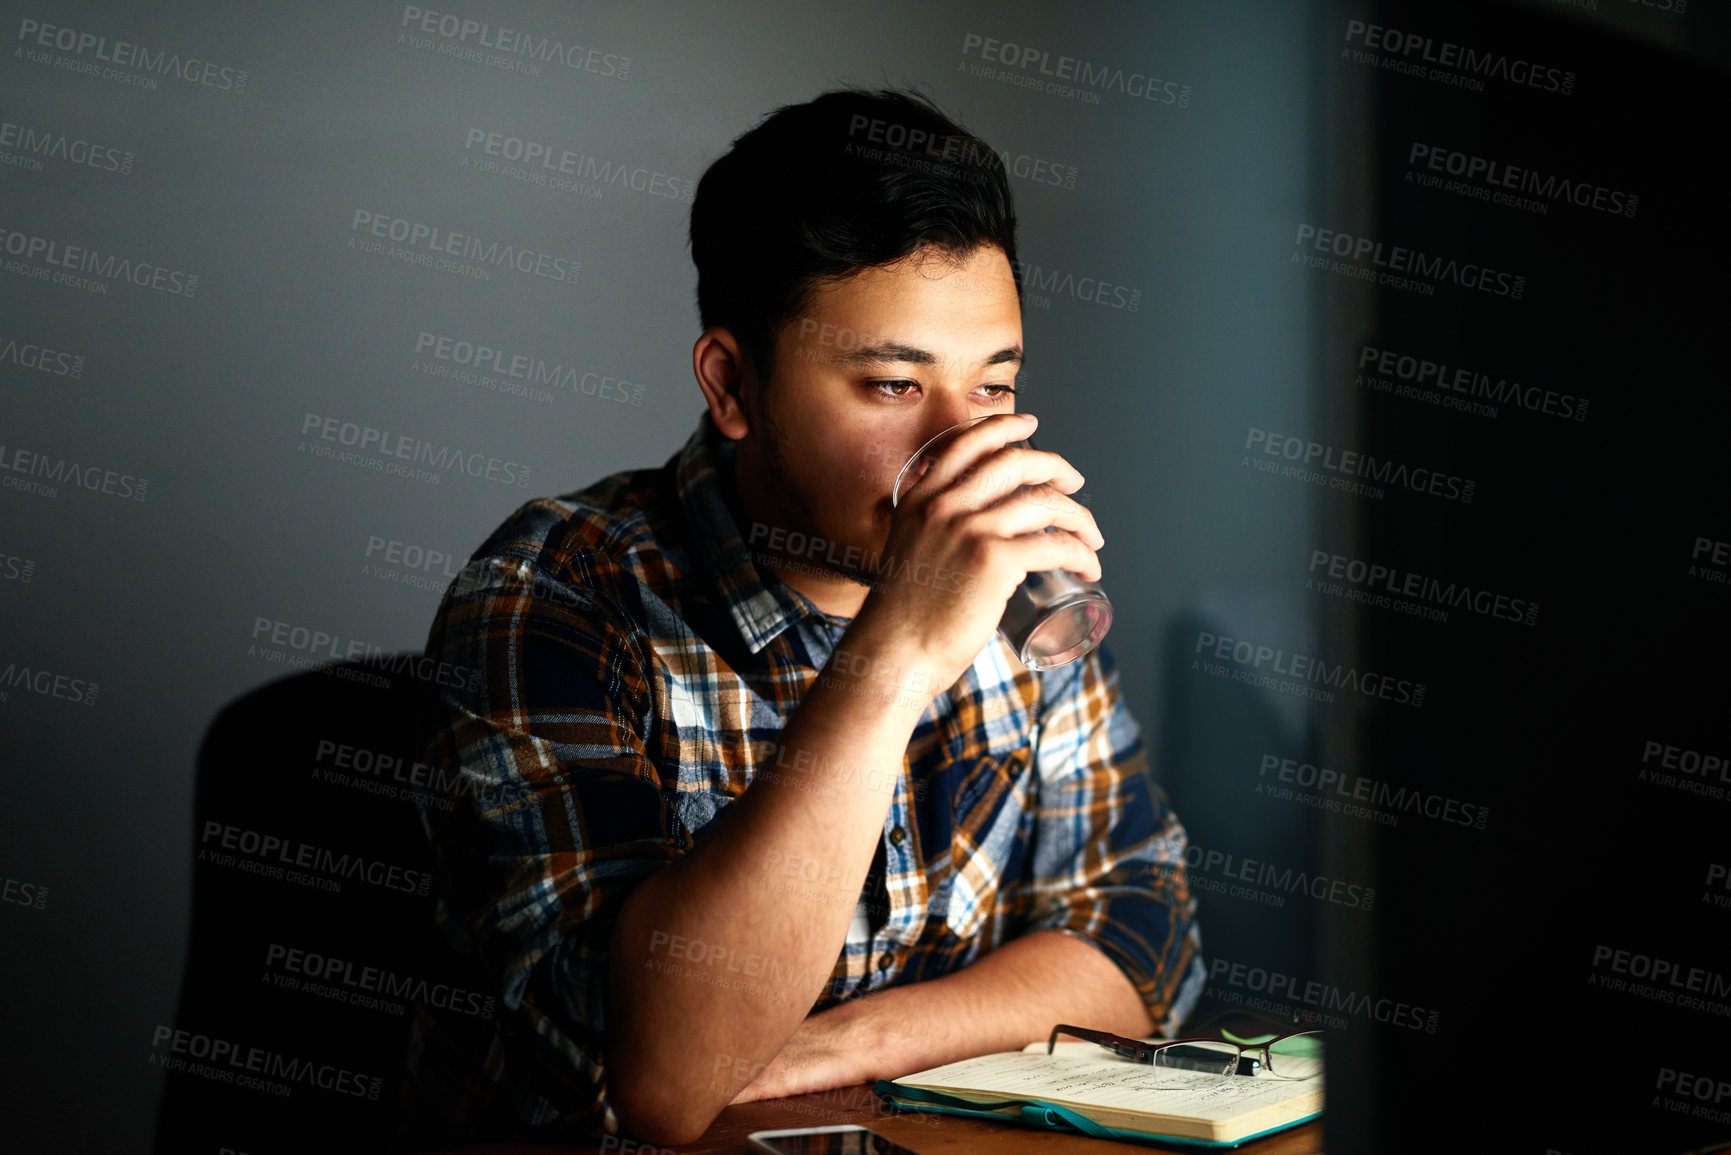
<point>1038,1113</point>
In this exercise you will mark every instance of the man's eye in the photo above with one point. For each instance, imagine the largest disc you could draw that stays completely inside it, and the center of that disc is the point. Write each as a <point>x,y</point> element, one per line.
<point>882,384</point>
<point>1008,390</point>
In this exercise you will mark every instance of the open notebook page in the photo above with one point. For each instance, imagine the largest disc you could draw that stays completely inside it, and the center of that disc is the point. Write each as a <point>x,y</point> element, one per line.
<point>1134,1088</point>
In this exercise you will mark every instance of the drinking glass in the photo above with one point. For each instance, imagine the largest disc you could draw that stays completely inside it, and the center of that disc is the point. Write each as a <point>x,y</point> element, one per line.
<point>1054,617</point>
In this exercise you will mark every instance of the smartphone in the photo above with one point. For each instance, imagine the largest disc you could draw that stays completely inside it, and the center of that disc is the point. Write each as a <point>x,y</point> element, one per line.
<point>846,1139</point>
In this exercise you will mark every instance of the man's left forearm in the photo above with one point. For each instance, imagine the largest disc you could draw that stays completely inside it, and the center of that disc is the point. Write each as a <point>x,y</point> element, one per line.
<point>1003,1002</point>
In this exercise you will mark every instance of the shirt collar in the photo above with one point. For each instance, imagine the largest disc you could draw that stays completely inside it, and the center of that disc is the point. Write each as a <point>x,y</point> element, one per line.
<point>761,604</point>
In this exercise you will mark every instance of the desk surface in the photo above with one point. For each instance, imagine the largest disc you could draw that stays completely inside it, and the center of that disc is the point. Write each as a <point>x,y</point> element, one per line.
<point>927,1134</point>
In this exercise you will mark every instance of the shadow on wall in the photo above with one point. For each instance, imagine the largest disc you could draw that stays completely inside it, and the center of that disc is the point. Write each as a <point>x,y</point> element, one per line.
<point>311,919</point>
<point>1215,734</point>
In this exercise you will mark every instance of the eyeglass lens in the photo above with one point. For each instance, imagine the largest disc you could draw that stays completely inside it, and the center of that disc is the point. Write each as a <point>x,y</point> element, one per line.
<point>1298,1057</point>
<point>1215,1058</point>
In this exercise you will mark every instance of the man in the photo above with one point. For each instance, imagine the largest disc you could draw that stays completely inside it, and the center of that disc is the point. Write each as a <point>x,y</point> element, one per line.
<point>756,802</point>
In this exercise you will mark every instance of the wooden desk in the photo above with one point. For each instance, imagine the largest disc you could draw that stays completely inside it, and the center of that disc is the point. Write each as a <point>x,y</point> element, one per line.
<point>927,1134</point>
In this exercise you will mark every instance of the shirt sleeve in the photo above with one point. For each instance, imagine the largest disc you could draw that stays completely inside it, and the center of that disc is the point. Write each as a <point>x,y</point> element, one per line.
<point>1108,851</point>
<point>555,813</point>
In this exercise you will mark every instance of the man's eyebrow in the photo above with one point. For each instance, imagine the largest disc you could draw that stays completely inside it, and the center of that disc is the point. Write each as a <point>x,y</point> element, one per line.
<point>892,353</point>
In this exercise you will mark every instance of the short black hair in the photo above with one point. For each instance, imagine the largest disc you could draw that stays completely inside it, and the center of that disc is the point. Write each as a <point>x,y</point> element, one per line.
<point>821,190</point>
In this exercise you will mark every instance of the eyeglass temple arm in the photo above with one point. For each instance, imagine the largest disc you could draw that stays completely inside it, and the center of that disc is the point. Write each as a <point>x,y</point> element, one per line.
<point>1118,1044</point>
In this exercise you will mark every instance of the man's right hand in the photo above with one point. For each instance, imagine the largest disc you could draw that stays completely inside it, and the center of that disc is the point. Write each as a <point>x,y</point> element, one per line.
<point>962,538</point>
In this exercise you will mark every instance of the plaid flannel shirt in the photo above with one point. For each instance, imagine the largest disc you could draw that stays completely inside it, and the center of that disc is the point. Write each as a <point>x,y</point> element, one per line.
<point>637,670</point>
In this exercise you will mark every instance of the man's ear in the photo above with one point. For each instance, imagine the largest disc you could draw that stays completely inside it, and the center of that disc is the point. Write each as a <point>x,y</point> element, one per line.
<point>725,374</point>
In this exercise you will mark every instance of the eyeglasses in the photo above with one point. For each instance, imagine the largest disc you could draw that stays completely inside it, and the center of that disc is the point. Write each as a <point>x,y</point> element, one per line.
<point>1296,1055</point>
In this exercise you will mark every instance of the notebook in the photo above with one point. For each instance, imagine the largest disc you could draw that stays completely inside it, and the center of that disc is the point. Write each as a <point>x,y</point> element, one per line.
<point>1086,1089</point>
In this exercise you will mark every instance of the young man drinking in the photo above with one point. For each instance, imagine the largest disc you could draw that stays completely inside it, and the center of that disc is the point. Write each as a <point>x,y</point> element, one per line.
<point>756,801</point>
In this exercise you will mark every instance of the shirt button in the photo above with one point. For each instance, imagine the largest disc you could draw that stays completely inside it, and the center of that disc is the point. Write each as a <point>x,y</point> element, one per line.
<point>886,961</point>
<point>898,836</point>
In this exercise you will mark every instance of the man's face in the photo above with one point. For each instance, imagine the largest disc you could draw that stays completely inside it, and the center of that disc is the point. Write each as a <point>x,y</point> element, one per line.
<point>878,365</point>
